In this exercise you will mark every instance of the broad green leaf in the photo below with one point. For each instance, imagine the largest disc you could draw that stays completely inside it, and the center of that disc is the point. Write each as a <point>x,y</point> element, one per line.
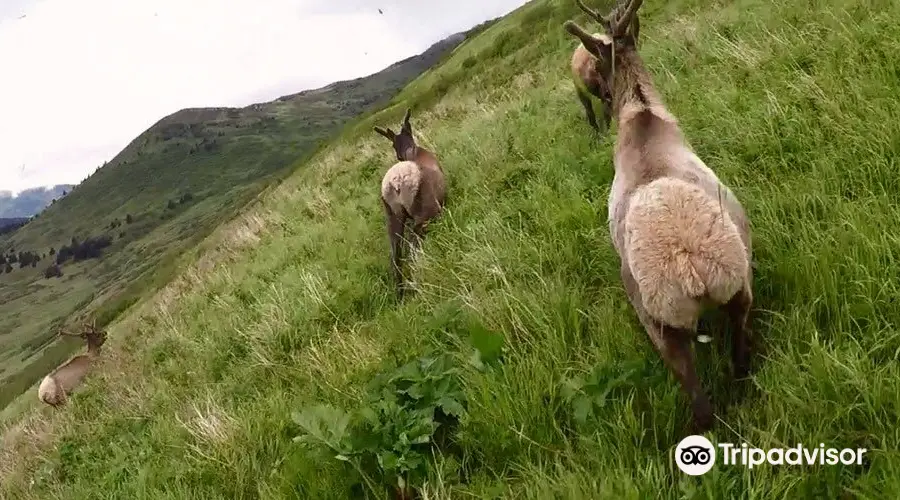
<point>583,408</point>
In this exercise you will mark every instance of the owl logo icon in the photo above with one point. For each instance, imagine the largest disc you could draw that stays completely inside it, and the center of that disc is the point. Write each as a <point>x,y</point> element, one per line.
<point>695,455</point>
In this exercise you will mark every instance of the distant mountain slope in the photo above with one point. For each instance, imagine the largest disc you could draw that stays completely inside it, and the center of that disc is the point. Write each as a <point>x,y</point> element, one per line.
<point>211,152</point>
<point>30,201</point>
<point>120,231</point>
<point>9,224</point>
<point>280,365</point>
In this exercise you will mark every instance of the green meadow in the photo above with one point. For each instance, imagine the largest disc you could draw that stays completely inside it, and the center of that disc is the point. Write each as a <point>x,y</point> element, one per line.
<point>278,364</point>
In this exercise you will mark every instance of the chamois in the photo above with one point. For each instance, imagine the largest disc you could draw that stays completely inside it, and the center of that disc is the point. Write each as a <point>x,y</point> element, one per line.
<point>682,237</point>
<point>587,80</point>
<point>413,188</point>
<point>56,386</point>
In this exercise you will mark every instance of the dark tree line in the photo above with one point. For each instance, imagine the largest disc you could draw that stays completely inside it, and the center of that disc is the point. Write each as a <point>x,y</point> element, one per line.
<point>27,258</point>
<point>90,248</point>
<point>8,228</point>
<point>23,258</point>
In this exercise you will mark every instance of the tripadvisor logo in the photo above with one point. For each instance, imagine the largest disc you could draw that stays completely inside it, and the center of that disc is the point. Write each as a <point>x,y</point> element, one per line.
<point>695,455</point>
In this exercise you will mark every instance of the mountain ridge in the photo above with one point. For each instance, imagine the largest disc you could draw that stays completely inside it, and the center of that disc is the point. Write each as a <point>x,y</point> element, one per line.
<point>120,233</point>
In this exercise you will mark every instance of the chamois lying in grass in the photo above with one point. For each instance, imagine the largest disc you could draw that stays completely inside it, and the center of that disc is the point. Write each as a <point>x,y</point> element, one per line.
<point>587,80</point>
<point>682,236</point>
<point>56,386</point>
<point>413,188</point>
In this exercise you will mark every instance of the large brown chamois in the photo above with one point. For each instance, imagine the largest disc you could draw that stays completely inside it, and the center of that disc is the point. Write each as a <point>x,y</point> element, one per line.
<point>682,236</point>
<point>56,386</point>
<point>414,189</point>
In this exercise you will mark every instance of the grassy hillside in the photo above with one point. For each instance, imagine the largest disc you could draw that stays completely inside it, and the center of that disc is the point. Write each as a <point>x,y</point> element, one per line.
<point>158,198</point>
<point>286,325</point>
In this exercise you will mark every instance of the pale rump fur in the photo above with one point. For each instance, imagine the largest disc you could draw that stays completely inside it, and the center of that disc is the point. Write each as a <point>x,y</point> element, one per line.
<point>56,387</point>
<point>681,247</point>
<point>413,188</point>
<point>58,384</point>
<point>682,236</point>
<point>400,186</point>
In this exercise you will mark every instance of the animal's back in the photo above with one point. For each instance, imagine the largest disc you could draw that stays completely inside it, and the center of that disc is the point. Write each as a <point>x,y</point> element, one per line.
<point>696,171</point>
<point>70,375</point>
<point>434,185</point>
<point>682,249</point>
<point>400,185</point>
<point>642,157</point>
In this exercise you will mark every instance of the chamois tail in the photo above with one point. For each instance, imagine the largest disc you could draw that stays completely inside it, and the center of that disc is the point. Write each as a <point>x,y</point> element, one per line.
<point>683,250</point>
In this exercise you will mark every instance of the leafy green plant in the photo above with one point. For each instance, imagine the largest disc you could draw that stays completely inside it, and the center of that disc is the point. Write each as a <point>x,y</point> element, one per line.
<point>604,383</point>
<point>488,347</point>
<point>391,434</point>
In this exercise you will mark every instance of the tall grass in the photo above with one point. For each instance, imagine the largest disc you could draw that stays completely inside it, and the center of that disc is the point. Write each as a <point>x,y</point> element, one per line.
<point>792,103</point>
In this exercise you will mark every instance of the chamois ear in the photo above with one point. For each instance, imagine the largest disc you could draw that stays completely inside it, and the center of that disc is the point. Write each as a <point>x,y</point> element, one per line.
<point>406,127</point>
<point>599,47</point>
<point>389,134</point>
<point>635,28</point>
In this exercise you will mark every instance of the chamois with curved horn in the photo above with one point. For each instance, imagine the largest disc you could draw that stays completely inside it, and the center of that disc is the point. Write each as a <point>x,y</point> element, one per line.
<point>414,189</point>
<point>56,386</point>
<point>587,80</point>
<point>682,236</point>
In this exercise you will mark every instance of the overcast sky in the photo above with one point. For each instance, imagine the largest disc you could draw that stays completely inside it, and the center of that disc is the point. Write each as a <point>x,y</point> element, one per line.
<point>80,79</point>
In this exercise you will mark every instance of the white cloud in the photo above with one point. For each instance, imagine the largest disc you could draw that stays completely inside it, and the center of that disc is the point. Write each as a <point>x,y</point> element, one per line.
<point>81,79</point>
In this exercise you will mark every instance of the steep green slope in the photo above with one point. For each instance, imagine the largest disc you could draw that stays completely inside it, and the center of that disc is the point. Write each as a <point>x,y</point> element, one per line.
<point>290,306</point>
<point>160,196</point>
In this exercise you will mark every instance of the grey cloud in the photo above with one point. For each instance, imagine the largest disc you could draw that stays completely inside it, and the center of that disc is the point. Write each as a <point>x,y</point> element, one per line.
<point>422,21</point>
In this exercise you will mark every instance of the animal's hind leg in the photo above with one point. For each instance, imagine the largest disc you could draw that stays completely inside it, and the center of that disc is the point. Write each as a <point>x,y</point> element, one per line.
<point>606,112</point>
<point>420,229</point>
<point>426,209</point>
<point>674,346</point>
<point>588,108</point>
<point>738,310</point>
<point>396,224</point>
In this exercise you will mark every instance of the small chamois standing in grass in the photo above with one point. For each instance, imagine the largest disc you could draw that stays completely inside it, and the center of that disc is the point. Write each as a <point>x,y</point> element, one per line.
<point>56,386</point>
<point>413,188</point>
<point>682,236</point>
<point>586,78</point>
